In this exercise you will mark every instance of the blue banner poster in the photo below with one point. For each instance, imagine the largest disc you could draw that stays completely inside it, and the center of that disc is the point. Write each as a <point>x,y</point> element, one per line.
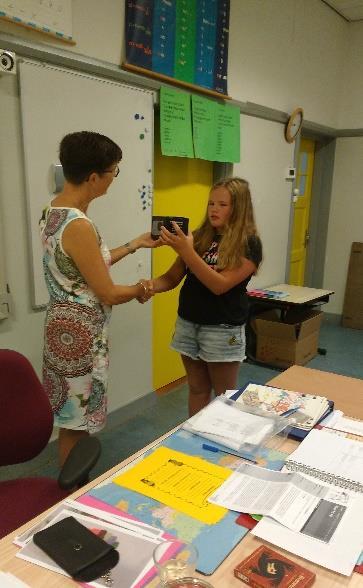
<point>186,40</point>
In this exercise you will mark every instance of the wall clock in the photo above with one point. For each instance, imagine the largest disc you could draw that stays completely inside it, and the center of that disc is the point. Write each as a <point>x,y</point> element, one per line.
<point>294,124</point>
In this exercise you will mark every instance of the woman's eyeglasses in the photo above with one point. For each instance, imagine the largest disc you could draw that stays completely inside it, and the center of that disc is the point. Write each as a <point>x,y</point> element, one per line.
<point>115,171</point>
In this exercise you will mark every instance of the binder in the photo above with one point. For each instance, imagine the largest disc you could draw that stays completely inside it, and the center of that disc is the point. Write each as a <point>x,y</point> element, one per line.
<point>283,401</point>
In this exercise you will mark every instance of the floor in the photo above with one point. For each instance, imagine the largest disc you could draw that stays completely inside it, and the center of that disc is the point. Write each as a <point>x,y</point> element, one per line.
<point>138,424</point>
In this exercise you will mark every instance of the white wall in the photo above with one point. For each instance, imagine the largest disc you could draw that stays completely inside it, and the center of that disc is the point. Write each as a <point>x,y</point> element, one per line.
<point>282,54</point>
<point>350,111</point>
<point>265,155</point>
<point>287,53</point>
<point>346,216</point>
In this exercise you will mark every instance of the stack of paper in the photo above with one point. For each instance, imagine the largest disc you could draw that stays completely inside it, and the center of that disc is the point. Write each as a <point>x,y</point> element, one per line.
<point>337,462</point>
<point>134,540</point>
<point>339,422</point>
<point>229,425</point>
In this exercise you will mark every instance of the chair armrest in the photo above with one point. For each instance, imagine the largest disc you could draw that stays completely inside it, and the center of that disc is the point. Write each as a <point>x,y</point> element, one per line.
<point>82,458</point>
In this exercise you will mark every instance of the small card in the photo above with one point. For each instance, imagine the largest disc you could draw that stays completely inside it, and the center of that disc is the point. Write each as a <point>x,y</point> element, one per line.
<point>265,568</point>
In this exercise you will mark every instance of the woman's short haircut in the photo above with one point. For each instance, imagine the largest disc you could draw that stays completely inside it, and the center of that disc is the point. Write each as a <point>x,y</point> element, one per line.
<point>85,152</point>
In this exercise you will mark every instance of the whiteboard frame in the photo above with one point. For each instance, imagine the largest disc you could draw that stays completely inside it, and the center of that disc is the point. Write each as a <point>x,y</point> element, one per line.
<point>20,16</point>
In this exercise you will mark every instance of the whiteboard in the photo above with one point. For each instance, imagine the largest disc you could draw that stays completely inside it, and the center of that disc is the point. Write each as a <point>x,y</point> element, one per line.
<point>56,101</point>
<point>49,16</point>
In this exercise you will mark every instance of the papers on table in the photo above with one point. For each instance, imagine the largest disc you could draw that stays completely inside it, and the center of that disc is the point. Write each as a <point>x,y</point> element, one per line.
<point>294,501</point>
<point>224,422</point>
<point>340,554</point>
<point>338,464</point>
<point>345,424</point>
<point>138,541</point>
<point>330,457</point>
<point>86,507</point>
<point>9,581</point>
<point>178,480</point>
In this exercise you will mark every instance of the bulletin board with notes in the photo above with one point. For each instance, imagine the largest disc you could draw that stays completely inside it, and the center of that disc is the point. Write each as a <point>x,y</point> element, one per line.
<point>50,17</point>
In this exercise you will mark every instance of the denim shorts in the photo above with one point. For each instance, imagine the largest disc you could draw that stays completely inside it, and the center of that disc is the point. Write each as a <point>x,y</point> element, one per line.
<point>219,343</point>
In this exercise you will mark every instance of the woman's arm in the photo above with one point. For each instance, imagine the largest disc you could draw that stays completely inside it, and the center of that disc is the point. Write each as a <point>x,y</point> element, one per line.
<point>143,240</point>
<point>170,279</point>
<point>216,282</point>
<point>80,242</point>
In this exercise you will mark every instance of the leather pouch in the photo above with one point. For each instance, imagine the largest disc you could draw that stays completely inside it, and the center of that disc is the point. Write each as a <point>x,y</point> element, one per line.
<point>78,551</point>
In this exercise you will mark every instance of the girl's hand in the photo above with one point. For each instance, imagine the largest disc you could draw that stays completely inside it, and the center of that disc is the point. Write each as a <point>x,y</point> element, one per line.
<point>148,291</point>
<point>180,242</point>
<point>145,240</point>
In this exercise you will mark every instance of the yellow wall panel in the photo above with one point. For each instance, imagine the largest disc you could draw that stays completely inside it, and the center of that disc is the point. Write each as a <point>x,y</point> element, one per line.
<point>181,188</point>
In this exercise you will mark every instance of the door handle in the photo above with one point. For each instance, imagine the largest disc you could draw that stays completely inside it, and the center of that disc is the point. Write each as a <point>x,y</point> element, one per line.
<point>307,239</point>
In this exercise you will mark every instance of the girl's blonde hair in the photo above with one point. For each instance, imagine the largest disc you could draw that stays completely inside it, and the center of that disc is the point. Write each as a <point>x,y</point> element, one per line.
<point>241,225</point>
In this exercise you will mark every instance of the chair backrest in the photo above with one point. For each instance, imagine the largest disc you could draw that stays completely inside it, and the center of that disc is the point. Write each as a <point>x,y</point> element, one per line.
<point>26,418</point>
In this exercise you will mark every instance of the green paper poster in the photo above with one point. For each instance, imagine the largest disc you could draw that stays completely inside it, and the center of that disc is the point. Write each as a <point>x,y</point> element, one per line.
<point>228,133</point>
<point>204,131</point>
<point>216,130</point>
<point>175,123</point>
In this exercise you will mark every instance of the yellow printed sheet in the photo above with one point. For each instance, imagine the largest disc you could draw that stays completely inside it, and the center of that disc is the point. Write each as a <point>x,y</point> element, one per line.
<point>178,480</point>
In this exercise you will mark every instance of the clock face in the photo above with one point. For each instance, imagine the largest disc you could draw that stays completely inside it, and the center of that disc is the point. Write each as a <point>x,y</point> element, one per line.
<point>294,125</point>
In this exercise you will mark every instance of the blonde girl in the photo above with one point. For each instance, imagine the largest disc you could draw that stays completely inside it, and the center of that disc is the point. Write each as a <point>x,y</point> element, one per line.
<point>218,262</point>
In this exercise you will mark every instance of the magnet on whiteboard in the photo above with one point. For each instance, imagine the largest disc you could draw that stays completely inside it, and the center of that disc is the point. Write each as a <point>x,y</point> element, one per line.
<point>58,177</point>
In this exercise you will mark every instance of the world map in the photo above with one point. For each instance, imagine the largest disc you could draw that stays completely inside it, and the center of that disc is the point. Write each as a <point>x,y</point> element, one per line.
<point>213,542</point>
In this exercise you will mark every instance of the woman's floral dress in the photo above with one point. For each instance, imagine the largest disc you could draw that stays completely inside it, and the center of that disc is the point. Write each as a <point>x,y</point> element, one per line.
<point>75,362</point>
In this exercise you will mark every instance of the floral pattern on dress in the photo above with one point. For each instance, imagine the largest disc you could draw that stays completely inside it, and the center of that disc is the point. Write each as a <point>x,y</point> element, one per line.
<point>71,330</point>
<point>67,267</point>
<point>55,219</point>
<point>56,387</point>
<point>76,359</point>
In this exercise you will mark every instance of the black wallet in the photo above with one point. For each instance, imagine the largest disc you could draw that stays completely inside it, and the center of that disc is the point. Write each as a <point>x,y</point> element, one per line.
<point>78,551</point>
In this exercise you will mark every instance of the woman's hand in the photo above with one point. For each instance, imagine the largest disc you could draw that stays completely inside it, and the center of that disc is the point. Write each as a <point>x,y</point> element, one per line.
<point>145,240</point>
<point>180,242</point>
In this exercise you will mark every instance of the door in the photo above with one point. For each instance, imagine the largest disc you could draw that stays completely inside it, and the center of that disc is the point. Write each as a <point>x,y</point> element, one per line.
<point>181,188</point>
<point>300,231</point>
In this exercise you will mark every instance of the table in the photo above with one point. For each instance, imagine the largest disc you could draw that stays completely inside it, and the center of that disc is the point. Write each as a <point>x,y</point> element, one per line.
<point>348,396</point>
<point>298,297</point>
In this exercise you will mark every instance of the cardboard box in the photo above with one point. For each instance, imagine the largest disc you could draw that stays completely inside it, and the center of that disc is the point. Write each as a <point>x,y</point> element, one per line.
<point>352,316</point>
<point>288,342</point>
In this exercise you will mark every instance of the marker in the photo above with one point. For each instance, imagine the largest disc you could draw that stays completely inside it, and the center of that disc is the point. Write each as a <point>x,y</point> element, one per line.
<point>217,450</point>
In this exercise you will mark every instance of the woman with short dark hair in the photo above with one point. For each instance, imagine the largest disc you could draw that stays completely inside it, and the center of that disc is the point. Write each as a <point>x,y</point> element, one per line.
<point>76,267</point>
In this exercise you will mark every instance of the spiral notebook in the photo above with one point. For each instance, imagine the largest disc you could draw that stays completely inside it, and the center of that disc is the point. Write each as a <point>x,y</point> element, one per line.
<point>331,458</point>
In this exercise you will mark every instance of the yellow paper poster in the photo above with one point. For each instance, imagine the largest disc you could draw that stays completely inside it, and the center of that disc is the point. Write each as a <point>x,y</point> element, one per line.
<point>178,480</point>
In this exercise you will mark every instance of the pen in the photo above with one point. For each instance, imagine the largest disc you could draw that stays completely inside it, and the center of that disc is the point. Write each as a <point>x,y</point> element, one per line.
<point>217,450</point>
<point>289,412</point>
